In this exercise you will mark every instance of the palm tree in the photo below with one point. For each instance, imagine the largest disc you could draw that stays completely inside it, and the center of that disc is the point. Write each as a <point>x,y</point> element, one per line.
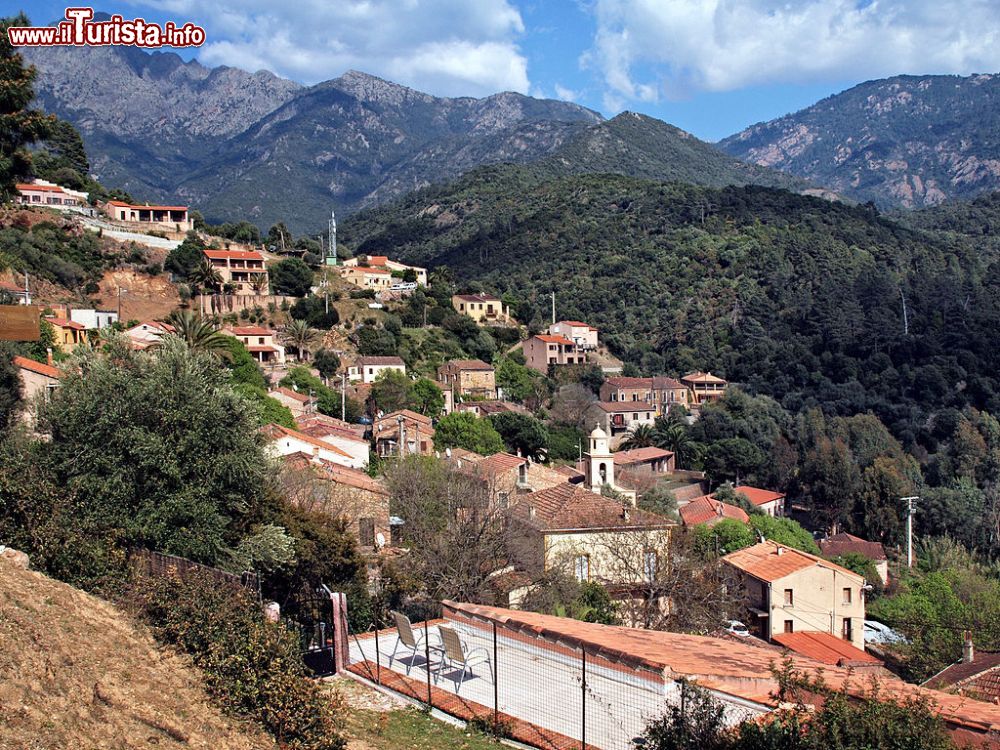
<point>206,276</point>
<point>259,284</point>
<point>199,334</point>
<point>641,437</point>
<point>674,436</point>
<point>300,337</point>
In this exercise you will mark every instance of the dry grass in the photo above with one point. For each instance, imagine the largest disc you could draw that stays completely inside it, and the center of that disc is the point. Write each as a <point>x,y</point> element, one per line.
<point>77,673</point>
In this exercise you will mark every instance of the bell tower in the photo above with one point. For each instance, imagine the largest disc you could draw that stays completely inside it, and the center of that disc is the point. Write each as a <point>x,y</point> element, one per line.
<point>600,464</point>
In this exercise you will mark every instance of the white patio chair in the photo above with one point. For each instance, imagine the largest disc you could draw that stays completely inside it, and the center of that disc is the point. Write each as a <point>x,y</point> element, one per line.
<point>456,654</point>
<point>411,642</point>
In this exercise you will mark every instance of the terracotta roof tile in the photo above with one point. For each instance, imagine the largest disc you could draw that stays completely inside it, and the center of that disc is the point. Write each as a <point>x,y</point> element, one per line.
<point>617,407</point>
<point>702,377</point>
<point>147,207</point>
<point>42,369</point>
<point>549,339</point>
<point>770,561</point>
<point>467,364</point>
<point>979,677</point>
<point>252,331</point>
<point>707,509</point>
<point>640,455</point>
<point>566,507</point>
<point>380,362</point>
<point>63,323</point>
<point>477,298</point>
<point>758,496</point>
<point>276,432</point>
<point>622,381</point>
<point>844,544</point>
<point>232,255</point>
<point>825,648</point>
<point>302,398</point>
<point>499,463</point>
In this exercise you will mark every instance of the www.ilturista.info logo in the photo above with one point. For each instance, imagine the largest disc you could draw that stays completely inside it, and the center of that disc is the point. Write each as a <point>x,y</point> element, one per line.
<point>79,29</point>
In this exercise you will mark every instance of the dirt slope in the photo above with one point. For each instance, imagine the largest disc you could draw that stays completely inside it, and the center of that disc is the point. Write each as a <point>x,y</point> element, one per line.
<point>77,673</point>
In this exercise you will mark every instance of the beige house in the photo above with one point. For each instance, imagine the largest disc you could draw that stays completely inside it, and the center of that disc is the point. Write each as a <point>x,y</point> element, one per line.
<point>170,218</point>
<point>284,442</point>
<point>769,502</point>
<point>482,308</point>
<point>245,270</point>
<point>403,432</point>
<point>324,487</point>
<point>48,194</point>
<point>581,334</point>
<point>69,333</point>
<point>367,369</point>
<point>791,591</point>
<point>468,377</point>
<point>545,350</point>
<point>260,342</point>
<point>649,460</point>
<point>704,386</point>
<point>298,403</point>
<point>619,418</point>
<point>367,277</point>
<point>37,381</point>
<point>660,392</point>
<point>349,438</point>
<point>145,335</point>
<point>385,263</point>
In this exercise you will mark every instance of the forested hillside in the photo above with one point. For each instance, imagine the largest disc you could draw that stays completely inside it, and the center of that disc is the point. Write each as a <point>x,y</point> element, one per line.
<point>812,302</point>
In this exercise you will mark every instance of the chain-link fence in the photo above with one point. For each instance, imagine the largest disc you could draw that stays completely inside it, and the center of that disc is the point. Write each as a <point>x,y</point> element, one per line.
<point>539,689</point>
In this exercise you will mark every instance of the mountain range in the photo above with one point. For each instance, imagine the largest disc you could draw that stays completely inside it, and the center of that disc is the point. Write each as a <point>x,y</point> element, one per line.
<point>254,146</point>
<point>900,142</point>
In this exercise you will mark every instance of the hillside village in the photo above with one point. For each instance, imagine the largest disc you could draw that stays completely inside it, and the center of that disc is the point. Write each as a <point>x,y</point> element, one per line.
<point>305,478</point>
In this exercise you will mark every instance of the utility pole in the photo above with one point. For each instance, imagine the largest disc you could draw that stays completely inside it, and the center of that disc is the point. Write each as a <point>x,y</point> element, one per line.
<point>343,396</point>
<point>553,308</point>
<point>909,528</point>
<point>120,290</point>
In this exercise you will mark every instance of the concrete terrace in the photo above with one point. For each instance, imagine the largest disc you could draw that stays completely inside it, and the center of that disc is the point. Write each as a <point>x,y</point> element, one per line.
<point>539,690</point>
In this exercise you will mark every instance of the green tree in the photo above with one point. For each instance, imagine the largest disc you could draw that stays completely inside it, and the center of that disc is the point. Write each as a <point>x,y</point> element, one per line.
<point>291,277</point>
<point>732,458</point>
<point>198,334</point>
<point>462,429</point>
<point>376,342</point>
<point>784,531</point>
<point>10,388</point>
<point>327,362</point>
<point>519,383</point>
<point>391,391</point>
<point>522,434</point>
<point>426,398</point>
<point>301,337</point>
<point>19,125</point>
<point>279,237</point>
<point>641,436</point>
<point>62,158</point>
<point>186,257</point>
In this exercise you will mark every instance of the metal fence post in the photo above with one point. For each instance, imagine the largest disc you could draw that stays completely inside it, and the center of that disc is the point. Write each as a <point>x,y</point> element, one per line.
<point>496,685</point>
<point>583,702</point>
<point>427,663</point>
<point>378,656</point>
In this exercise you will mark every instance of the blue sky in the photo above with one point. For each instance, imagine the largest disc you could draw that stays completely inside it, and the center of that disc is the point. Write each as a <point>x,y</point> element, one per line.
<point>711,67</point>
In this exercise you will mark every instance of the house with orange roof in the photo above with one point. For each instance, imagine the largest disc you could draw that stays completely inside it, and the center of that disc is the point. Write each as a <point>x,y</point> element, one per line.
<point>41,193</point>
<point>172,218</point>
<point>619,418</point>
<point>470,378</point>
<point>581,334</point>
<point>646,460</point>
<point>482,308</point>
<point>148,333</point>
<point>321,486</point>
<point>20,292</point>
<point>38,380</point>
<point>337,433</point>
<point>769,502</point>
<point>244,270</point>
<point>977,675</point>
<point>282,441</point>
<point>403,432</point>
<point>547,350</point>
<point>69,333</point>
<point>260,342</point>
<point>298,403</point>
<point>394,267</point>
<point>843,543</point>
<point>789,591</point>
<point>709,511</point>
<point>659,391</point>
<point>704,387</point>
<point>368,277</point>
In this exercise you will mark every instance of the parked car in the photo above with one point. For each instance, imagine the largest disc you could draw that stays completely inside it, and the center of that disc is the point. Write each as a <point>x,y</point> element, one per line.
<point>404,286</point>
<point>737,628</point>
<point>880,633</point>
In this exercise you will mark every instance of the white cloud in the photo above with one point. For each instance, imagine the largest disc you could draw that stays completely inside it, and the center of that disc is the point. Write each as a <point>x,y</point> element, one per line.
<point>646,50</point>
<point>444,47</point>
<point>567,95</point>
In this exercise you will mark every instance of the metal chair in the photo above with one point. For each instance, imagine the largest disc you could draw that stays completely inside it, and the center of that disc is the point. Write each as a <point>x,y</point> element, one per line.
<point>455,654</point>
<point>410,641</point>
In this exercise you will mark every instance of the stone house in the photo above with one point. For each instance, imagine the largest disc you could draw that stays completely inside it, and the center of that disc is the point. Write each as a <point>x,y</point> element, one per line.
<point>471,378</point>
<point>403,432</point>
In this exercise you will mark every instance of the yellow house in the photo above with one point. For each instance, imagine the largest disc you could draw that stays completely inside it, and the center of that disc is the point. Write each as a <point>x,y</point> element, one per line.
<point>482,308</point>
<point>69,333</point>
<point>792,591</point>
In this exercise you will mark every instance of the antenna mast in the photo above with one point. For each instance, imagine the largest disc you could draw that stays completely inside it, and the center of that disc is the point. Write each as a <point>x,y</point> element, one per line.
<point>331,257</point>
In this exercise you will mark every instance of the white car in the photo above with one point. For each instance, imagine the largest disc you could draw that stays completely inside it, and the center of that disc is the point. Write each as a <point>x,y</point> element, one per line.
<point>737,628</point>
<point>880,633</point>
<point>406,286</point>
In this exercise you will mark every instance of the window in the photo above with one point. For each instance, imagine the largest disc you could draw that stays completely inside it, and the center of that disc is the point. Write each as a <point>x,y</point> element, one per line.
<point>522,473</point>
<point>847,595</point>
<point>503,500</point>
<point>366,531</point>
<point>650,565</point>
<point>635,415</point>
<point>789,601</point>
<point>581,566</point>
<point>260,340</point>
<point>848,630</point>
<point>789,626</point>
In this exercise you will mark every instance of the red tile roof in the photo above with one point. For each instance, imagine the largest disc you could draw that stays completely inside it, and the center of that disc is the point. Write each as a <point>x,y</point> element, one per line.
<point>320,430</point>
<point>499,463</point>
<point>979,678</point>
<point>622,381</point>
<point>615,407</point>
<point>252,331</point>
<point>232,255</point>
<point>261,348</point>
<point>294,395</point>
<point>40,188</point>
<point>844,544</point>
<point>549,339</point>
<point>380,362</point>
<point>640,456</point>
<point>276,432</point>
<point>662,383</point>
<point>825,648</point>
<point>468,364</point>
<point>568,507</point>
<point>734,668</point>
<point>63,323</point>
<point>707,509</point>
<point>478,298</point>
<point>12,287</point>
<point>770,561</point>
<point>42,369</point>
<point>758,496</point>
<point>147,207</point>
<point>702,377</point>
<point>576,324</point>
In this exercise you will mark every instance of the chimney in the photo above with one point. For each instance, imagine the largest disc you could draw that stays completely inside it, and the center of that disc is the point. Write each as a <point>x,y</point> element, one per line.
<point>48,356</point>
<point>531,511</point>
<point>718,509</point>
<point>625,512</point>
<point>968,650</point>
<point>780,551</point>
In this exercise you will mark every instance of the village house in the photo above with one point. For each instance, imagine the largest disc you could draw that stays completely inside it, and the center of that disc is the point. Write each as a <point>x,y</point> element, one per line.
<point>482,308</point>
<point>395,268</point>
<point>68,333</point>
<point>367,369</point>
<point>704,387</point>
<point>791,591</point>
<point>660,392</point>
<point>283,441</point>
<point>360,500</point>
<point>170,218</point>
<point>977,675</point>
<point>349,438</point>
<point>767,502</point>
<point>21,294</point>
<point>38,380</point>
<point>470,378</point>
<point>545,350</point>
<point>620,418</point>
<point>403,432</point>
<point>485,408</point>
<point>260,342</point>
<point>843,543</point>
<point>366,277</point>
<point>709,511</point>
<point>41,193</point>
<point>298,403</point>
<point>581,334</point>
<point>648,460</point>
<point>148,333</point>
<point>93,320</point>
<point>244,270</point>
